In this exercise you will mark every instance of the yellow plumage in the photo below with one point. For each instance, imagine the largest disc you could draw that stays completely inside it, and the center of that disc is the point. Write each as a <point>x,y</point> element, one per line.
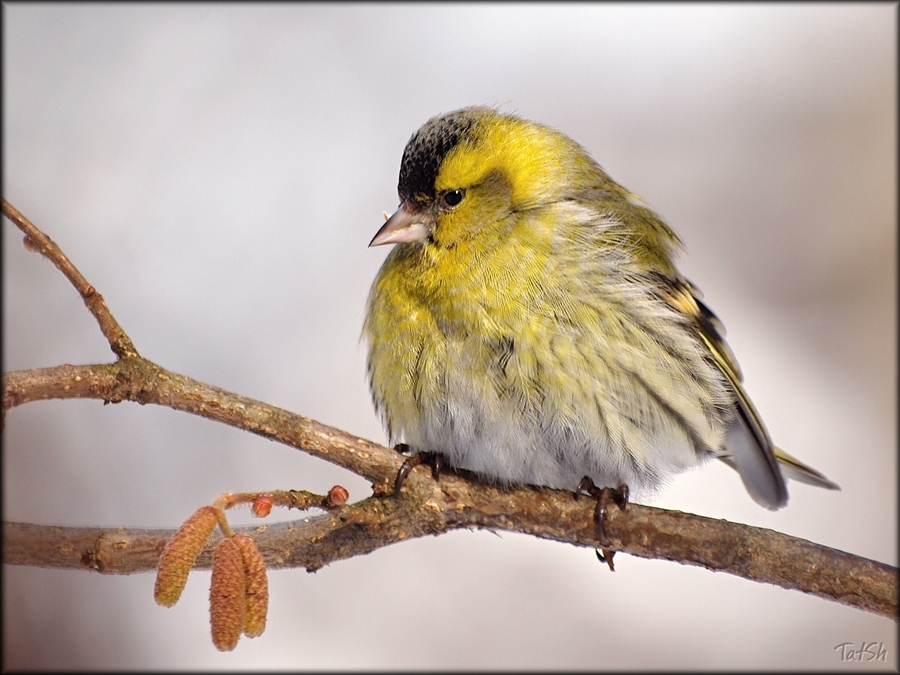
<point>530,324</point>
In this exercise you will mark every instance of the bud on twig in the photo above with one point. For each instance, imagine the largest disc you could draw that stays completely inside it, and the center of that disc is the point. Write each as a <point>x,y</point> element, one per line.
<point>262,506</point>
<point>337,496</point>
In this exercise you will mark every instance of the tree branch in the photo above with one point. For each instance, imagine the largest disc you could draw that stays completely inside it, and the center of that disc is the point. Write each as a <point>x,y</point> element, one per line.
<point>37,241</point>
<point>425,507</point>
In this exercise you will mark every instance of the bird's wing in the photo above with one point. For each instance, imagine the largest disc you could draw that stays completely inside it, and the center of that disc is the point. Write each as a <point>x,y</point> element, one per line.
<point>749,448</point>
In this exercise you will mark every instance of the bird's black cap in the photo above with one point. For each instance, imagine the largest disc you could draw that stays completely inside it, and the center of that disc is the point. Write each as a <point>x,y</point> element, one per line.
<point>427,149</point>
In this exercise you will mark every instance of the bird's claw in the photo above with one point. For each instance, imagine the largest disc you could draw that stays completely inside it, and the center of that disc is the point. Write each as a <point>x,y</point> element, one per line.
<point>604,495</point>
<point>433,459</point>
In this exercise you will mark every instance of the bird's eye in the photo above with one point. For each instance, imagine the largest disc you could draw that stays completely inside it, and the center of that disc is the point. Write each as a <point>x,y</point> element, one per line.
<point>453,197</point>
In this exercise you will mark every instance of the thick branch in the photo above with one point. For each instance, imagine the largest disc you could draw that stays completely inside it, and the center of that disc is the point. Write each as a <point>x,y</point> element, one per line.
<point>456,501</point>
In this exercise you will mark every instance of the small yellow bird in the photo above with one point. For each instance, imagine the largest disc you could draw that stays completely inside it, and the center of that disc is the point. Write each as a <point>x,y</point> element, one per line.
<point>530,324</point>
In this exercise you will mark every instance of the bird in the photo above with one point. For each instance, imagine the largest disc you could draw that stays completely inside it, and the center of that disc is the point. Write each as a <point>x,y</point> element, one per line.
<point>530,324</point>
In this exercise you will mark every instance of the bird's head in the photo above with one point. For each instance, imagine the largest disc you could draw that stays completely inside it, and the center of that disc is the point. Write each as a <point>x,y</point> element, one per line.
<point>467,170</point>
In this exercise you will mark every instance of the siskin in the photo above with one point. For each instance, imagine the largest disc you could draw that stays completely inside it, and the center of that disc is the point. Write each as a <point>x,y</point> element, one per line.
<point>530,324</point>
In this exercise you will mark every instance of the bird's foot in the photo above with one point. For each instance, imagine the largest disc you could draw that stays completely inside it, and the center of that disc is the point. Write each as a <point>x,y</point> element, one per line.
<point>604,495</point>
<point>433,459</point>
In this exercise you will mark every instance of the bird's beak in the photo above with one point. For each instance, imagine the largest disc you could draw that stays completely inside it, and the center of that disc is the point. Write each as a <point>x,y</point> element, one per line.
<point>409,223</point>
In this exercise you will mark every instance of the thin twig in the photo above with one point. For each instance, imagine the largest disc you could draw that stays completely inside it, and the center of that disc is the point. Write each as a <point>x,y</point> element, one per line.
<point>35,240</point>
<point>141,381</point>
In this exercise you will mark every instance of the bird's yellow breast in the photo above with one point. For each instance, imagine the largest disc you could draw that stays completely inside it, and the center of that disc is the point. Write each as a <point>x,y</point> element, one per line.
<point>482,324</point>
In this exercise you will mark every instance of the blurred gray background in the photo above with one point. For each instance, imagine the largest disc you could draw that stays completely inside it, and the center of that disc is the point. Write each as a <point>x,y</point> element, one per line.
<point>216,172</point>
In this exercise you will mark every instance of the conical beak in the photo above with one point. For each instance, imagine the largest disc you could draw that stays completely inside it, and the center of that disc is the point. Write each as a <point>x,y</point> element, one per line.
<point>409,223</point>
